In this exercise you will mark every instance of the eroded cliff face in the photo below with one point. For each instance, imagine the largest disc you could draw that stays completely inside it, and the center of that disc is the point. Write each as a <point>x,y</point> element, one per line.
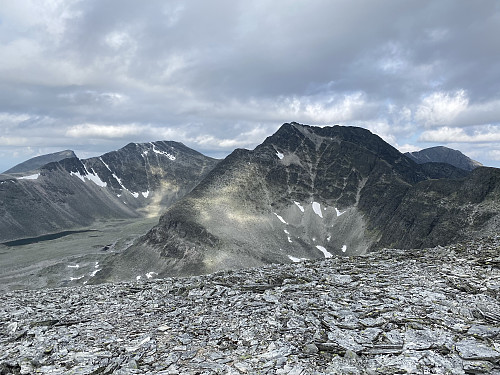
<point>439,212</point>
<point>139,179</point>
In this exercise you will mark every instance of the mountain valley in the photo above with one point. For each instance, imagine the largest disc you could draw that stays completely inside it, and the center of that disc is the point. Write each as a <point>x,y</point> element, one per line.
<point>304,193</point>
<point>308,193</point>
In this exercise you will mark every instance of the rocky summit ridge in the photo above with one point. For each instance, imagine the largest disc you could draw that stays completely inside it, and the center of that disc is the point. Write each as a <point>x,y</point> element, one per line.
<point>430,311</point>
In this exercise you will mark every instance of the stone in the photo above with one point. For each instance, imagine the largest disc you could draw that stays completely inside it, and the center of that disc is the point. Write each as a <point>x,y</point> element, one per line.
<point>473,349</point>
<point>482,331</point>
<point>396,316</point>
<point>310,349</point>
<point>478,367</point>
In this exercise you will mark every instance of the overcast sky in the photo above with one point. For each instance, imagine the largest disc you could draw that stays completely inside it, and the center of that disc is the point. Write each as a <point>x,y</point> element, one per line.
<point>93,75</point>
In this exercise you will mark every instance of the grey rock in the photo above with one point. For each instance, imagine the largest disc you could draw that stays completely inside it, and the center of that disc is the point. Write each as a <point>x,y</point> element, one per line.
<point>478,367</point>
<point>399,314</point>
<point>482,331</point>
<point>473,349</point>
<point>311,349</point>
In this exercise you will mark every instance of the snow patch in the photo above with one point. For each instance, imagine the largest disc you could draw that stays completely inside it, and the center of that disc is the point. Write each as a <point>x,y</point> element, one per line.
<point>159,152</point>
<point>281,219</point>
<point>149,275</point>
<point>339,212</point>
<point>96,265</point>
<point>96,180</point>
<point>296,260</point>
<point>288,235</point>
<point>299,206</point>
<point>279,155</point>
<point>107,166</point>
<point>93,273</point>
<point>75,266</point>
<point>344,248</point>
<point>30,177</point>
<point>135,195</point>
<point>317,209</point>
<point>77,175</point>
<point>91,177</point>
<point>326,253</point>
<point>76,278</point>
<point>328,238</point>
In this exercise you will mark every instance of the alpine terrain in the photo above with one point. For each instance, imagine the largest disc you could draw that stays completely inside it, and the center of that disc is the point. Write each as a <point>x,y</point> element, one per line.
<point>403,276</point>
<point>307,193</point>
<point>137,180</point>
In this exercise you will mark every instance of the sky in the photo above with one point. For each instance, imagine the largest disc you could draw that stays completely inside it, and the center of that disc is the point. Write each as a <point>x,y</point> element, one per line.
<point>94,75</point>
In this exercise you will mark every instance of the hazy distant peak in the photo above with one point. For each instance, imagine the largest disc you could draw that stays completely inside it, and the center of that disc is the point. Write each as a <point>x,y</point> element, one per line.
<point>39,161</point>
<point>441,154</point>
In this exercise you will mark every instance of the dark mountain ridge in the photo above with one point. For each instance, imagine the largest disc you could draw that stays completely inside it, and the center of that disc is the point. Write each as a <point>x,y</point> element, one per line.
<point>310,192</point>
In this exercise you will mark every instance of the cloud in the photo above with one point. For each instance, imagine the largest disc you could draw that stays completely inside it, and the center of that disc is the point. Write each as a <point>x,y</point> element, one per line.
<point>494,154</point>
<point>246,139</point>
<point>13,141</point>
<point>441,108</point>
<point>103,131</point>
<point>407,148</point>
<point>215,75</point>
<point>459,135</point>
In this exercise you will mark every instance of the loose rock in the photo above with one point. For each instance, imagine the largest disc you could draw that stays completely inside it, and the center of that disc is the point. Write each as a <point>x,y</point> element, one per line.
<point>391,312</point>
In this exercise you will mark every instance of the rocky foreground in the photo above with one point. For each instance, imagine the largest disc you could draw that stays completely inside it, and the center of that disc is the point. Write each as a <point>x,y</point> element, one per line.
<point>392,312</point>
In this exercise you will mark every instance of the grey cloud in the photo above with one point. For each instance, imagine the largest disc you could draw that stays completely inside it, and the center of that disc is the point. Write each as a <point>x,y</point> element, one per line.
<point>210,73</point>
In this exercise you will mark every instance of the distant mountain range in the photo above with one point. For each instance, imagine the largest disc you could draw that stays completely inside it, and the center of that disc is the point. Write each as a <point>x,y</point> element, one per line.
<point>139,179</point>
<point>310,192</point>
<point>304,193</point>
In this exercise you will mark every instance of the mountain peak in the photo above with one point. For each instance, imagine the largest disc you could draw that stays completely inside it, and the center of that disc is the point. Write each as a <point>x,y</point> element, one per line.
<point>39,161</point>
<point>442,154</point>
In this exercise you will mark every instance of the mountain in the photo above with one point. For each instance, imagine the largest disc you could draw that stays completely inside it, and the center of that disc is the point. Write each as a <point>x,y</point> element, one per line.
<point>311,192</point>
<point>37,162</point>
<point>139,179</point>
<point>441,154</point>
